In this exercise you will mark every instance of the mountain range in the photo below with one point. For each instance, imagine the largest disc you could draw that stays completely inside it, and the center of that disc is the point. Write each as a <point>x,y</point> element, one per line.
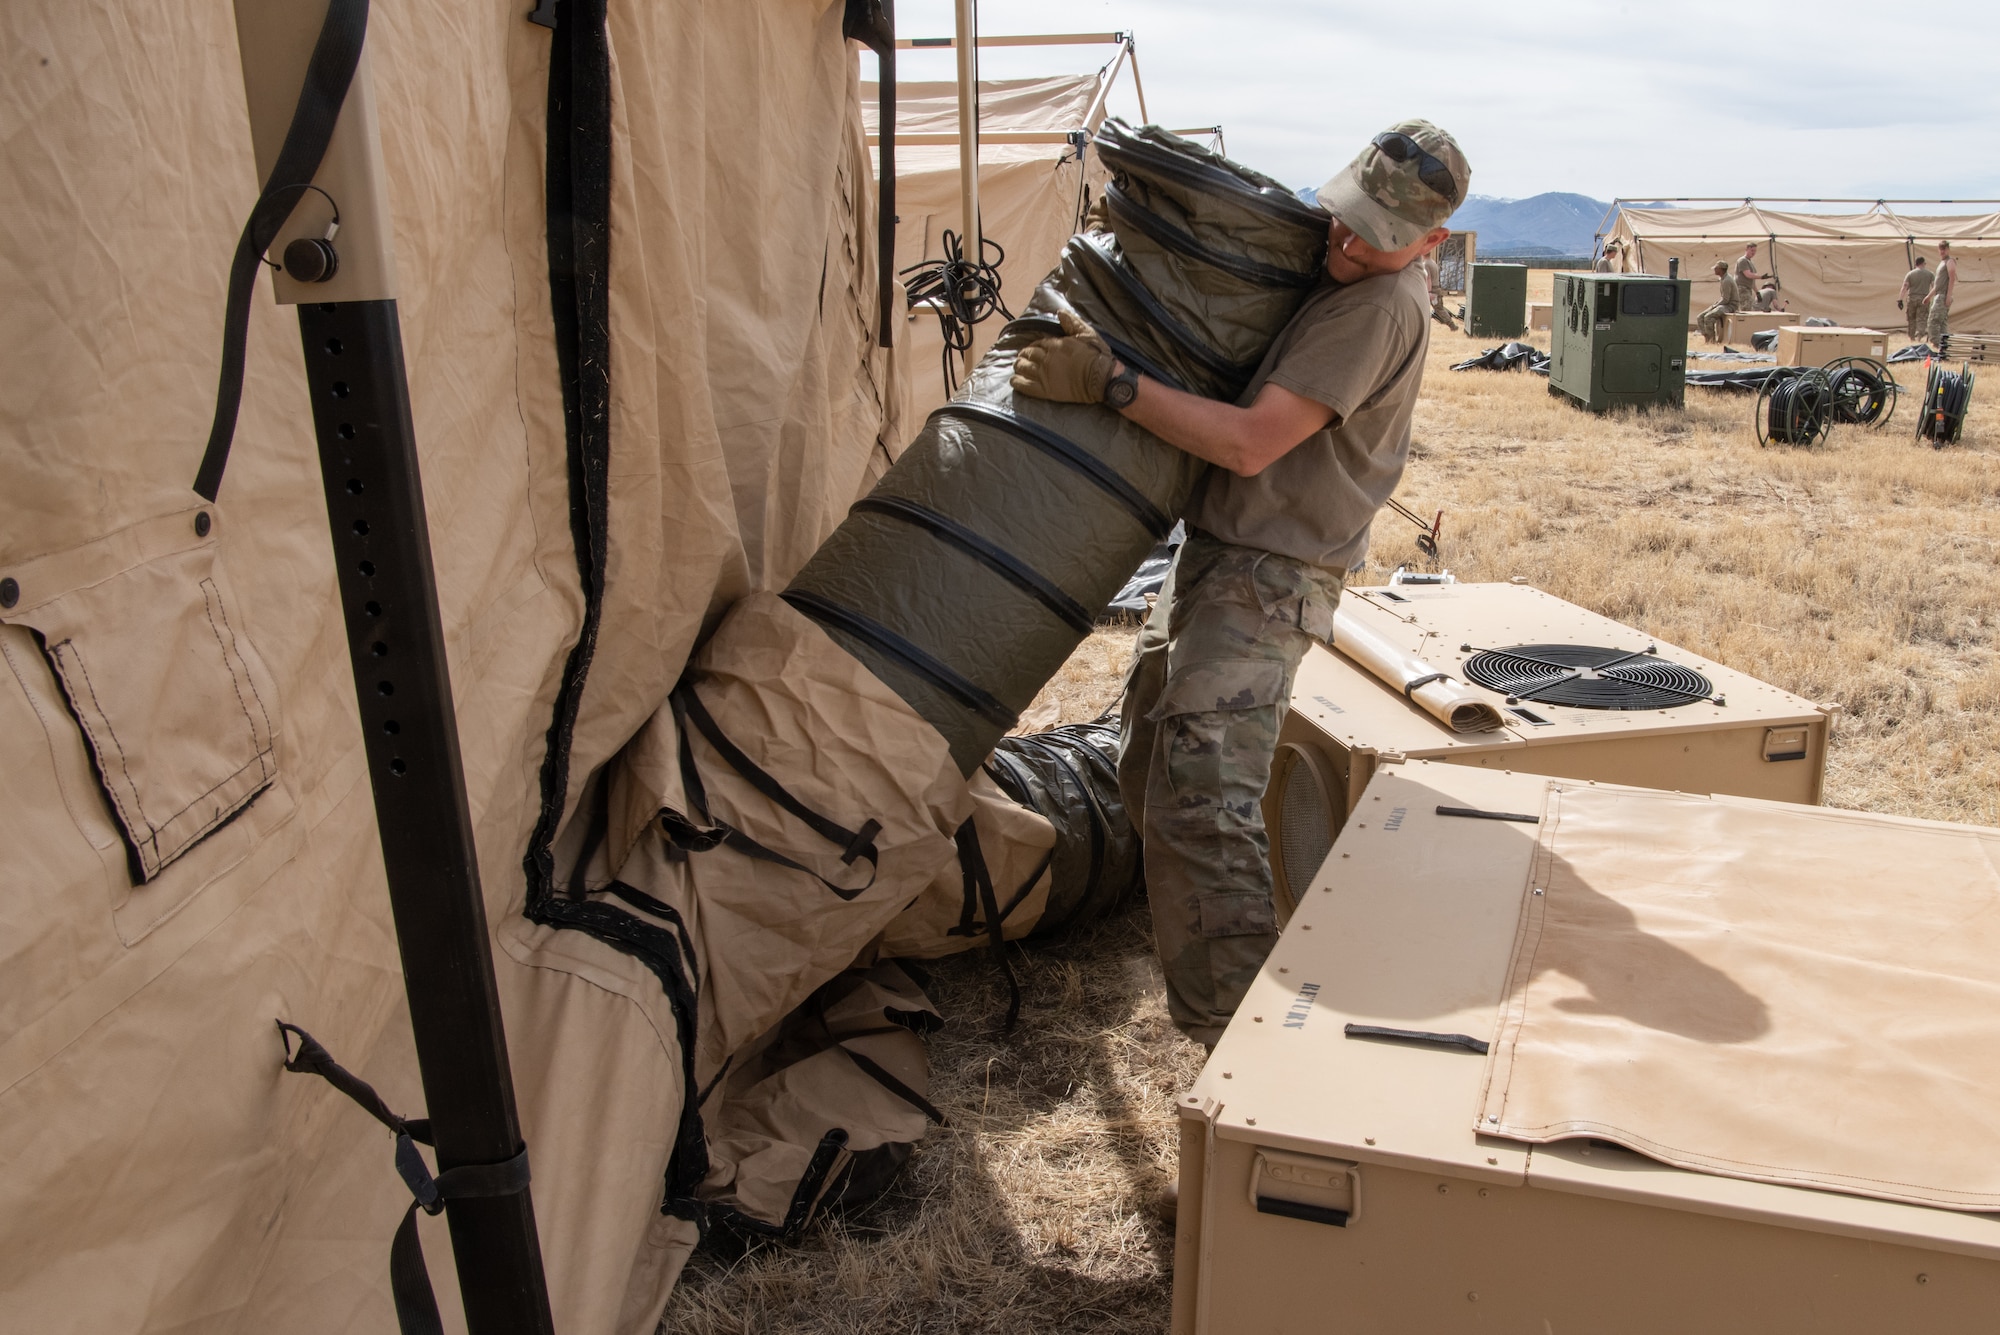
<point>1553,223</point>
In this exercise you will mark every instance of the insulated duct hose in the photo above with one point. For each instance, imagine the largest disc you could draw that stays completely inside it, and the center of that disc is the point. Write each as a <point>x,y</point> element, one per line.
<point>971,572</point>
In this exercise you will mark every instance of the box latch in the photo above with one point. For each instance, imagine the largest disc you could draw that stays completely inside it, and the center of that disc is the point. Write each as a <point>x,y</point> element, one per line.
<point>1788,743</point>
<point>1303,1186</point>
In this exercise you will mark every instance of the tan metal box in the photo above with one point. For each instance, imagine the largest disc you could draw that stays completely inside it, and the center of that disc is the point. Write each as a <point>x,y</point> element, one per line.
<point>1745,323</point>
<point>1335,1185</point>
<point>1540,315</point>
<point>1762,742</point>
<point>1806,345</point>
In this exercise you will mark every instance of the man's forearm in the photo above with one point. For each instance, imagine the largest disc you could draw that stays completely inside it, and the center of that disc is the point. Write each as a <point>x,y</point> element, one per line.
<point>1207,429</point>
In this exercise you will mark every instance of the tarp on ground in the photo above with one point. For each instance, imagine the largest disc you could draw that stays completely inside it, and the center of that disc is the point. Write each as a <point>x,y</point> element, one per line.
<point>1031,196</point>
<point>162,1173</point>
<point>1847,267</point>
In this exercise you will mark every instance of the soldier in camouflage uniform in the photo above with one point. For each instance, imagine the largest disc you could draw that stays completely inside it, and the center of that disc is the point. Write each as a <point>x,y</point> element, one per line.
<point>1911,301</point>
<point>1939,327</point>
<point>1304,459</point>
<point>1713,321</point>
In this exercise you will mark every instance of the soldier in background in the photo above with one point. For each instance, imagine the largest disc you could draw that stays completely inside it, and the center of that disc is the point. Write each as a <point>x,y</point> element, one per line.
<point>1747,277</point>
<point>1941,295</point>
<point>1767,296</point>
<point>1911,299</point>
<point>1712,321</point>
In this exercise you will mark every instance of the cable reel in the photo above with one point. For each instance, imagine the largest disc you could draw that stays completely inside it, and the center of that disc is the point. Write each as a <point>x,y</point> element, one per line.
<point>1864,392</point>
<point>1947,395</point>
<point>1795,409</point>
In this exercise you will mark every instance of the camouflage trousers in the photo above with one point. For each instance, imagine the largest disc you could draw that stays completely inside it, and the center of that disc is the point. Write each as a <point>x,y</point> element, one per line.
<point>1712,321</point>
<point>1203,703</point>
<point>1940,323</point>
<point>1915,313</point>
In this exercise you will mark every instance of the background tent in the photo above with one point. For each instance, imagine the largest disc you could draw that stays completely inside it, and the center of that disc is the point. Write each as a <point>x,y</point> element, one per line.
<point>162,1173</point>
<point>1846,267</point>
<point>1031,195</point>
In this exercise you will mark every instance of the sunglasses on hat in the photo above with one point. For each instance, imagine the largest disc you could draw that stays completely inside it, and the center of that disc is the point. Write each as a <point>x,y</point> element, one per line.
<point>1399,147</point>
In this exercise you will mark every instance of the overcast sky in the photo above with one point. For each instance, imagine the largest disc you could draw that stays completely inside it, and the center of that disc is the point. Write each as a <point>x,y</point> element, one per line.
<point>1815,97</point>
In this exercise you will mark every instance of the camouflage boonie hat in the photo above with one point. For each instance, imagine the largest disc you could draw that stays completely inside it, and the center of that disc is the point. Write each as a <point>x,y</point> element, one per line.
<point>1409,179</point>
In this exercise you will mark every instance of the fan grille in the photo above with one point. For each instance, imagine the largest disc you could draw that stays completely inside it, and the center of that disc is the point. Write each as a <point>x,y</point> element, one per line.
<point>1528,672</point>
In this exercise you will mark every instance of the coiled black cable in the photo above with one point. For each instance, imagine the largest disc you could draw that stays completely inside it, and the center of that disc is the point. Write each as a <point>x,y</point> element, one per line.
<point>1947,394</point>
<point>1864,393</point>
<point>1795,409</point>
<point>961,292</point>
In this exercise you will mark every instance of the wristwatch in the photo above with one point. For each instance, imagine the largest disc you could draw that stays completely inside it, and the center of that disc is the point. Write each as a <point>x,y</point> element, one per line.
<point>1121,389</point>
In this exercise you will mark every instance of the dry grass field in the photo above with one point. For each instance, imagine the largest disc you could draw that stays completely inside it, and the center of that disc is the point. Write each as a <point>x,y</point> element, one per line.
<point>1862,572</point>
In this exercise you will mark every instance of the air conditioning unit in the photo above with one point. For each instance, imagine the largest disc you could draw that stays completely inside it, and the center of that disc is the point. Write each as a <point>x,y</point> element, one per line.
<point>1579,696</point>
<point>1335,1174</point>
<point>1619,339</point>
<point>1496,303</point>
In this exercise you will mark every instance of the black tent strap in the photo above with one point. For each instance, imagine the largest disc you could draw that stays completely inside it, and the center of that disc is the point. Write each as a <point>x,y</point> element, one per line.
<point>1234,375</point>
<point>690,837</point>
<point>979,882</point>
<point>881,1076</point>
<point>1163,233</point>
<point>888,643</point>
<point>1414,684</point>
<point>409,1278</point>
<point>1067,452</point>
<point>336,53</point>
<point>994,557</point>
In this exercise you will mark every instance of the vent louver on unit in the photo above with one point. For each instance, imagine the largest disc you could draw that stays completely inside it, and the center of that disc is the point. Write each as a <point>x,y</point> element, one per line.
<point>1588,677</point>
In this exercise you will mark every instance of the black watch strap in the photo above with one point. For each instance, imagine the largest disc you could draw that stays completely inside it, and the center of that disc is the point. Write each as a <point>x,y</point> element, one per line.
<point>1122,388</point>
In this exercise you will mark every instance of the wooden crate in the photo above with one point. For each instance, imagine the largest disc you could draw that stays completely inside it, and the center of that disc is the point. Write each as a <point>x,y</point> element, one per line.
<point>1745,323</point>
<point>1816,345</point>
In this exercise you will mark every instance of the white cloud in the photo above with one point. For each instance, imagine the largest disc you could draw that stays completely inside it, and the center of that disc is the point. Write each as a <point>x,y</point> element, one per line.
<point>1703,97</point>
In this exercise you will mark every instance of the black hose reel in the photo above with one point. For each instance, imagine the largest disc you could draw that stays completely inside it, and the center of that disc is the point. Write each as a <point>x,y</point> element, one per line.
<point>1947,395</point>
<point>1800,405</point>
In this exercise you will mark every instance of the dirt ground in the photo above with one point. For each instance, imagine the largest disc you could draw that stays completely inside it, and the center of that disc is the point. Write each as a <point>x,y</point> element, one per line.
<point>1861,572</point>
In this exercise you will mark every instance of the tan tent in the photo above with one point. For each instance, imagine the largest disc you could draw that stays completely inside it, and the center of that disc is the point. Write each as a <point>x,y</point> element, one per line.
<point>191,848</point>
<point>1031,195</point>
<point>1846,267</point>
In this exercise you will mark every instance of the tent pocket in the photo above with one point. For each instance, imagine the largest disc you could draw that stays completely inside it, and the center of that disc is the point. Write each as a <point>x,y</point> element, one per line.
<point>149,655</point>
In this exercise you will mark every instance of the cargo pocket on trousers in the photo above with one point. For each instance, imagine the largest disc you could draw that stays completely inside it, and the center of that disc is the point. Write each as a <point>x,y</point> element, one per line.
<point>175,710</point>
<point>1222,685</point>
<point>1246,913</point>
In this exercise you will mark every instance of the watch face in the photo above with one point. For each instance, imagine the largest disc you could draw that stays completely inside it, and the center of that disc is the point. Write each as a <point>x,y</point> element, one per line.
<point>1122,390</point>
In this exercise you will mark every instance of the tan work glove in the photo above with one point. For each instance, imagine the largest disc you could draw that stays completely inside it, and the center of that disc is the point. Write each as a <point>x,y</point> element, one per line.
<point>1072,369</point>
<point>1097,218</point>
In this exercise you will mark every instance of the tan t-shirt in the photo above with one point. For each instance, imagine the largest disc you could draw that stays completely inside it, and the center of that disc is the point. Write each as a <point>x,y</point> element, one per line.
<point>1358,349</point>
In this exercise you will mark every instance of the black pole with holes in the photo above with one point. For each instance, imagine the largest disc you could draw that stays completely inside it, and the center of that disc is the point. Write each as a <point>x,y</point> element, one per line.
<point>388,595</point>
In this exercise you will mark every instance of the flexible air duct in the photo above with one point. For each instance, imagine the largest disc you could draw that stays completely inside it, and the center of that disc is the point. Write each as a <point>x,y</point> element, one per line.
<point>979,561</point>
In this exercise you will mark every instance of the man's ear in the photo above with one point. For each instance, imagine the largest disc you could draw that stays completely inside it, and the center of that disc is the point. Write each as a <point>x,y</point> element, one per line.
<point>1436,237</point>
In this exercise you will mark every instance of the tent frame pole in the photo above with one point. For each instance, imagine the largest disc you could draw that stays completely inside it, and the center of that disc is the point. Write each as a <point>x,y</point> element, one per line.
<point>967,44</point>
<point>873,24</point>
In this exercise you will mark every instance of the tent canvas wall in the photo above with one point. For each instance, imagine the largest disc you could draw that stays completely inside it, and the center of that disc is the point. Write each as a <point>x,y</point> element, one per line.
<point>1846,267</point>
<point>1031,196</point>
<point>725,403</point>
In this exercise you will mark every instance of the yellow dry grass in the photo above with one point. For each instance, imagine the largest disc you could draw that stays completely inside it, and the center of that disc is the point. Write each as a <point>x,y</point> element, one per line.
<point>1862,572</point>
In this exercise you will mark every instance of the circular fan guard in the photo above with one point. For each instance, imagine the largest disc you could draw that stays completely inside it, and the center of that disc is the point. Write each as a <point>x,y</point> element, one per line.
<point>1542,672</point>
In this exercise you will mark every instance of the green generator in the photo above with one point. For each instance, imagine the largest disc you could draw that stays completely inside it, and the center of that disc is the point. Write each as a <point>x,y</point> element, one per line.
<point>1618,339</point>
<point>1496,301</point>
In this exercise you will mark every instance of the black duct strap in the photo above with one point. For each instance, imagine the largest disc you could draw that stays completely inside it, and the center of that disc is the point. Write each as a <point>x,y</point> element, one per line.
<point>684,834</point>
<point>875,1071</point>
<point>335,54</point>
<point>1163,233</point>
<point>1185,339</point>
<point>994,557</point>
<point>1069,453</point>
<point>972,862</point>
<point>1414,684</point>
<point>409,1279</point>
<point>887,642</point>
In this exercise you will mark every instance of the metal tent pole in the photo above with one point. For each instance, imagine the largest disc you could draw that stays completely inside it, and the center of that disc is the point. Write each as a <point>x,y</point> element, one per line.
<point>966,43</point>
<point>388,594</point>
